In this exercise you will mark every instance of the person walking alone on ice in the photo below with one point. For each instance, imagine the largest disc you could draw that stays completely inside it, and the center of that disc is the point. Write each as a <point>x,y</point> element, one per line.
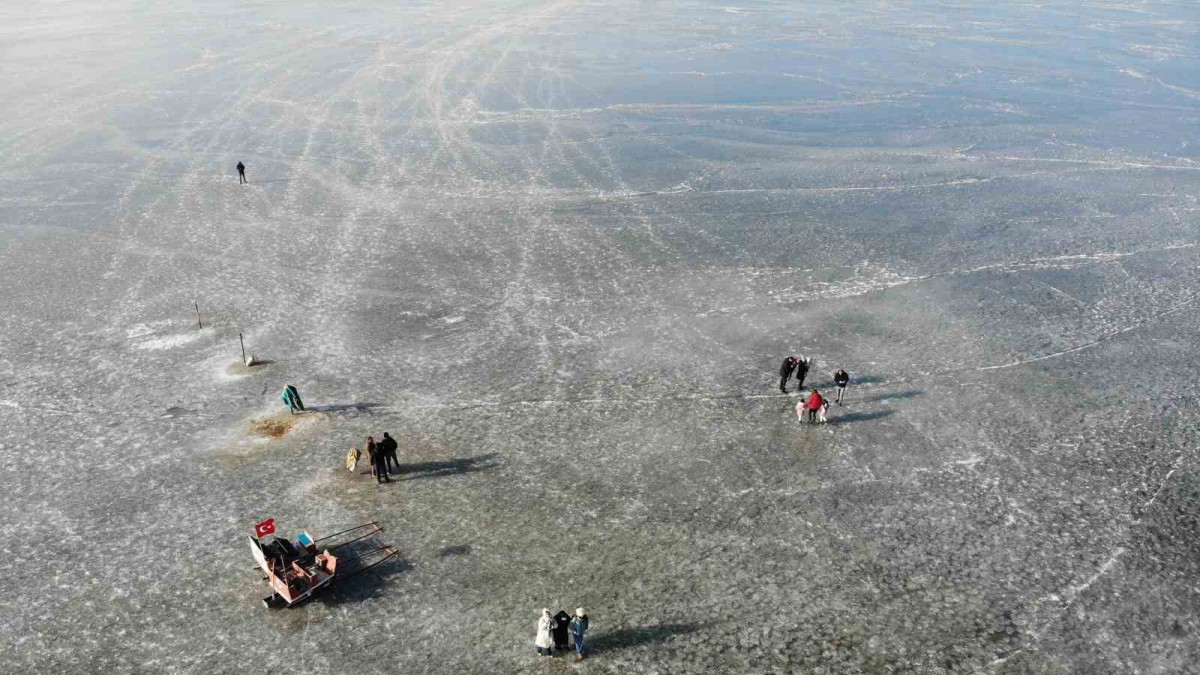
<point>291,398</point>
<point>802,366</point>
<point>543,643</point>
<point>579,626</point>
<point>388,447</point>
<point>842,379</point>
<point>241,173</point>
<point>785,371</point>
<point>814,403</point>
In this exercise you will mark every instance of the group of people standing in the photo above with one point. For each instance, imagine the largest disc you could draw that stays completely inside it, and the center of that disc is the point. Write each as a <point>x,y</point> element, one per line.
<point>552,632</point>
<point>382,456</point>
<point>813,408</point>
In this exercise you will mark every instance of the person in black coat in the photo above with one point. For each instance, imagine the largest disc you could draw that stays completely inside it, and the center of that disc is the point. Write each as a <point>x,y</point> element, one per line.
<point>785,371</point>
<point>388,447</point>
<point>841,378</point>
<point>378,461</point>
<point>241,173</point>
<point>561,632</point>
<point>381,469</point>
<point>801,372</point>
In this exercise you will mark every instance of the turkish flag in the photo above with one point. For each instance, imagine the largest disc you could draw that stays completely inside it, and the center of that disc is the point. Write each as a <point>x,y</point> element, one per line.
<point>264,528</point>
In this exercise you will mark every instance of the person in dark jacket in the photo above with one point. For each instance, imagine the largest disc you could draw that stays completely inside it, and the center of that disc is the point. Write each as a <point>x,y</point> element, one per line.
<point>561,631</point>
<point>381,469</point>
<point>388,447</point>
<point>841,378</point>
<point>241,173</point>
<point>378,462</point>
<point>578,627</point>
<point>785,371</point>
<point>802,366</point>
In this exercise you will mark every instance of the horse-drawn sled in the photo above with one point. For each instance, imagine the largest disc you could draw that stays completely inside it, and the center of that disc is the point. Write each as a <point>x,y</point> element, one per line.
<point>296,571</point>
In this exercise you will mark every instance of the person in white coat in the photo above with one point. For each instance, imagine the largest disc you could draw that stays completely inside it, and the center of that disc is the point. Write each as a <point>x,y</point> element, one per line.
<point>544,642</point>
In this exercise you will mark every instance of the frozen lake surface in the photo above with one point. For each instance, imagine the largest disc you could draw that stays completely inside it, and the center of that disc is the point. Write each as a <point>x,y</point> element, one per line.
<point>558,250</point>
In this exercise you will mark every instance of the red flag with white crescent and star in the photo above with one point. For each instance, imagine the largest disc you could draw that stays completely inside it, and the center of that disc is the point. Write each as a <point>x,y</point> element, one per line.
<point>264,528</point>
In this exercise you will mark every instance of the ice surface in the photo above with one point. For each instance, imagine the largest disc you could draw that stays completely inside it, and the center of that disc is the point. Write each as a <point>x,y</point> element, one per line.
<point>558,250</point>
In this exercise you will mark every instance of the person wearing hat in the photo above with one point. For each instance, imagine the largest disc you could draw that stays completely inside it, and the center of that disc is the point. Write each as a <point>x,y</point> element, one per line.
<point>579,626</point>
<point>543,641</point>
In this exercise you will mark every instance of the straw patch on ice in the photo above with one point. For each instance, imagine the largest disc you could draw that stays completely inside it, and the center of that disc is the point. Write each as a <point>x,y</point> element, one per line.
<point>275,427</point>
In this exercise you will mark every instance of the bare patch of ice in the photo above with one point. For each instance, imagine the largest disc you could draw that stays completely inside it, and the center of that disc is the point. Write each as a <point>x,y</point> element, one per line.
<point>167,341</point>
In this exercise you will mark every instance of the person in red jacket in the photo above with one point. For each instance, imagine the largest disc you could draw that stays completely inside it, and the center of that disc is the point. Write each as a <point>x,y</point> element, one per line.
<point>814,403</point>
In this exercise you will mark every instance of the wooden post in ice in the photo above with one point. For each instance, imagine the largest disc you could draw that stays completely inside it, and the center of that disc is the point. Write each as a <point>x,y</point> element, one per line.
<point>198,321</point>
<point>243,343</point>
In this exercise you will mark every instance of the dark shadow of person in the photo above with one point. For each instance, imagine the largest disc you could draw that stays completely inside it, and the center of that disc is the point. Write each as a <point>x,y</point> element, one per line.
<point>449,467</point>
<point>360,407</point>
<point>907,393</point>
<point>625,638</point>
<point>867,379</point>
<point>859,416</point>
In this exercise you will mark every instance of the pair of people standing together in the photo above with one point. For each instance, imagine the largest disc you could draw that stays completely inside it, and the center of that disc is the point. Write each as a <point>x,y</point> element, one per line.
<point>381,455</point>
<point>552,632</point>
<point>797,365</point>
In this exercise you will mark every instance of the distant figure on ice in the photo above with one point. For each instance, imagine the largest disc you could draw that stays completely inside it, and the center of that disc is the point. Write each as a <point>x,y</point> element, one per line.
<point>562,632</point>
<point>841,378</point>
<point>802,366</point>
<point>388,447</point>
<point>241,173</point>
<point>543,642</point>
<point>579,626</point>
<point>785,371</point>
<point>291,398</point>
<point>814,403</point>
